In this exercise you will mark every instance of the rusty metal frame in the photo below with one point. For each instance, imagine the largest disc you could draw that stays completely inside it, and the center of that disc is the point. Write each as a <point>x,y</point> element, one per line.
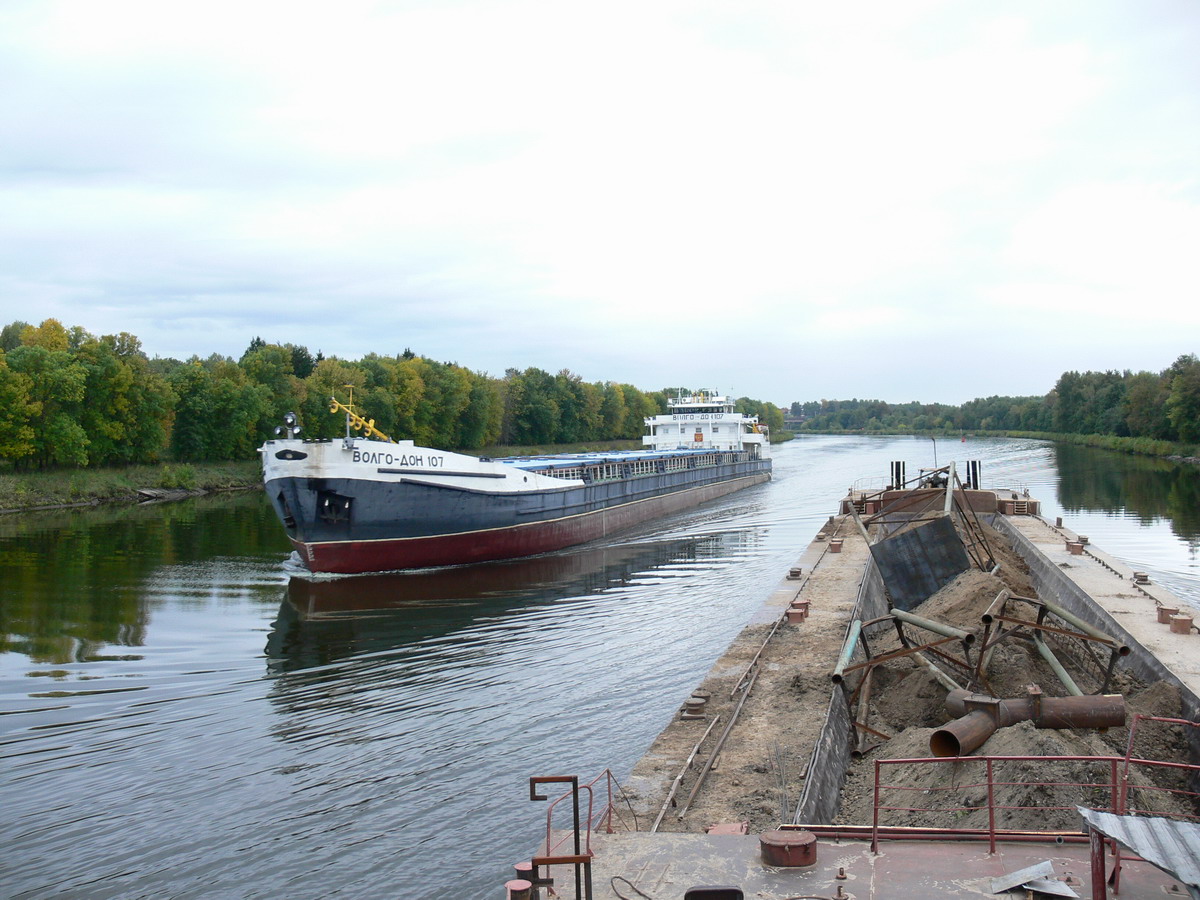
<point>997,612</point>
<point>897,654</point>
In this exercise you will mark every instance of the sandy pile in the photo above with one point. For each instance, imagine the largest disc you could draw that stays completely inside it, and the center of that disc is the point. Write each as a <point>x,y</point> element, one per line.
<point>907,703</point>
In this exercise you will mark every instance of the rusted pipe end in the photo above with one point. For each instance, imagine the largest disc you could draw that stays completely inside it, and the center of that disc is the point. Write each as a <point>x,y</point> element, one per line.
<point>944,743</point>
<point>963,735</point>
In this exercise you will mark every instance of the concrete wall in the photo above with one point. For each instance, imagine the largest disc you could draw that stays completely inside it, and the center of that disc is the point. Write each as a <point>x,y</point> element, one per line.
<point>830,759</point>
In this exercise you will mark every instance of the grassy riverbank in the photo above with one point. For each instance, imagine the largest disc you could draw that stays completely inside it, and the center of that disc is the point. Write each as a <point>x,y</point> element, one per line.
<point>1138,445</point>
<point>70,487</point>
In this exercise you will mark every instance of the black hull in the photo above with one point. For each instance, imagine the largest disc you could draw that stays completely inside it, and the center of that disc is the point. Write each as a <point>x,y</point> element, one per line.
<point>361,525</point>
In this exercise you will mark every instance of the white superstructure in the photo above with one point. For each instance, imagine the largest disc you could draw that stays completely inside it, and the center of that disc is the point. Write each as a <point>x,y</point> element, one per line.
<point>706,420</point>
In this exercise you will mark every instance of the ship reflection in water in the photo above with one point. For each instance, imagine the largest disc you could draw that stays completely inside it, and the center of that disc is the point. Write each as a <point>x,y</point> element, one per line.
<point>324,621</point>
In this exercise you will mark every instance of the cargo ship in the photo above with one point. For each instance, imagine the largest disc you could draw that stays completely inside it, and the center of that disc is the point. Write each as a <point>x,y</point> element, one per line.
<point>366,503</point>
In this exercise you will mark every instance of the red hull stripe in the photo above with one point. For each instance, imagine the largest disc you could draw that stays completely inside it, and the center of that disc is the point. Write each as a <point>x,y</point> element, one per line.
<point>346,557</point>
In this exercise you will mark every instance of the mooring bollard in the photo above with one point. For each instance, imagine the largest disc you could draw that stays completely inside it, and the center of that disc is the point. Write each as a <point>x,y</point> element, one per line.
<point>518,889</point>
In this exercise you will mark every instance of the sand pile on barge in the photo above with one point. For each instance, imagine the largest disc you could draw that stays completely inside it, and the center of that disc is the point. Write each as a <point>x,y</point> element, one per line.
<point>908,704</point>
<point>762,768</point>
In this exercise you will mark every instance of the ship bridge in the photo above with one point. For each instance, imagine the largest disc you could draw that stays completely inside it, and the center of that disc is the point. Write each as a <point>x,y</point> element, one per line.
<point>705,420</point>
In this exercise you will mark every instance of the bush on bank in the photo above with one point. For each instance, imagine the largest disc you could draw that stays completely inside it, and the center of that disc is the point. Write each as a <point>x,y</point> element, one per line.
<point>69,487</point>
<point>1143,446</point>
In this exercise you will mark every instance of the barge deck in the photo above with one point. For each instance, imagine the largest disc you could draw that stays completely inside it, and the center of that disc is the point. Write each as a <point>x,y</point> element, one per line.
<point>784,761</point>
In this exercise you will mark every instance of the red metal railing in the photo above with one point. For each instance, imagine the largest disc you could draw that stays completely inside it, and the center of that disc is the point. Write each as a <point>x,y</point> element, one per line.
<point>1117,785</point>
<point>594,819</point>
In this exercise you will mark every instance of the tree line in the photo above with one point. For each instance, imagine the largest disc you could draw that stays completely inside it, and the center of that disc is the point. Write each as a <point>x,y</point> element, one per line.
<point>1163,406</point>
<point>71,399</point>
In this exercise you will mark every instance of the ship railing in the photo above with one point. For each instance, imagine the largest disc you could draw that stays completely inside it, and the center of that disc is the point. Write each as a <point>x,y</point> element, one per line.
<point>1110,788</point>
<point>870,484</point>
<point>604,817</point>
<point>579,834</point>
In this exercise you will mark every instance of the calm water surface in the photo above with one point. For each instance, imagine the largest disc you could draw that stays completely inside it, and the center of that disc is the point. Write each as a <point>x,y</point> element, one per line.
<point>180,718</point>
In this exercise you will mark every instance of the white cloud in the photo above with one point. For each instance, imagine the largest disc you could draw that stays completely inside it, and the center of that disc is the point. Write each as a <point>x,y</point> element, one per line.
<point>640,192</point>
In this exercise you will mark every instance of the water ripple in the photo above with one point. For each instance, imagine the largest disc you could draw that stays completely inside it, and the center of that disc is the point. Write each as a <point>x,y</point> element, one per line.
<point>335,737</point>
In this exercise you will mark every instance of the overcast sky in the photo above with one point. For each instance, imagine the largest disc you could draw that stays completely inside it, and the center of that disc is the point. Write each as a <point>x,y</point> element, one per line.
<point>900,200</point>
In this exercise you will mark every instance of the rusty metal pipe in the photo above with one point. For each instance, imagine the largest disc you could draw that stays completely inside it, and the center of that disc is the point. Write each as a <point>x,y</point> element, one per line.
<point>936,627</point>
<point>1088,629</point>
<point>980,716</point>
<point>1088,711</point>
<point>852,637</point>
<point>864,712</point>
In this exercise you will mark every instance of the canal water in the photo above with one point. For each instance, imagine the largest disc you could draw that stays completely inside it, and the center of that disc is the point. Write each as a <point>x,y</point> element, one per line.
<point>179,717</point>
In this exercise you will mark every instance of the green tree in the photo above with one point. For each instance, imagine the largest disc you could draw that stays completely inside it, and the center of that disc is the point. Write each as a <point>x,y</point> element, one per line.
<point>10,335</point>
<point>1145,406</point>
<point>533,413</point>
<point>17,413</point>
<point>480,421</point>
<point>328,380</point>
<point>50,335</point>
<point>57,384</point>
<point>613,410</point>
<point>271,366</point>
<point>1183,402</point>
<point>219,411</point>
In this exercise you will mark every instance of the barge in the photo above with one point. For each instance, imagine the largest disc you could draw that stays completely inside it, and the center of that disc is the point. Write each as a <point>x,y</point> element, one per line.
<point>370,504</point>
<point>813,760</point>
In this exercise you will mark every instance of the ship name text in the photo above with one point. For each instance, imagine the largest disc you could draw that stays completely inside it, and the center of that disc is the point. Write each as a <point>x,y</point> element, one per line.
<point>376,458</point>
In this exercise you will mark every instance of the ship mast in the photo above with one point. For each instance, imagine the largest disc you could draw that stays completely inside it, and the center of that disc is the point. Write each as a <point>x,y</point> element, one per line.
<point>354,420</point>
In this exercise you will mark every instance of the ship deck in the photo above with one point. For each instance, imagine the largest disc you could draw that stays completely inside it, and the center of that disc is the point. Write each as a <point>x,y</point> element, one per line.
<point>667,866</point>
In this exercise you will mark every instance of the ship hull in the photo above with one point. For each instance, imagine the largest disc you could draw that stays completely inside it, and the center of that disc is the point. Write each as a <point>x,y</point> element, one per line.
<point>351,507</point>
<point>379,553</point>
